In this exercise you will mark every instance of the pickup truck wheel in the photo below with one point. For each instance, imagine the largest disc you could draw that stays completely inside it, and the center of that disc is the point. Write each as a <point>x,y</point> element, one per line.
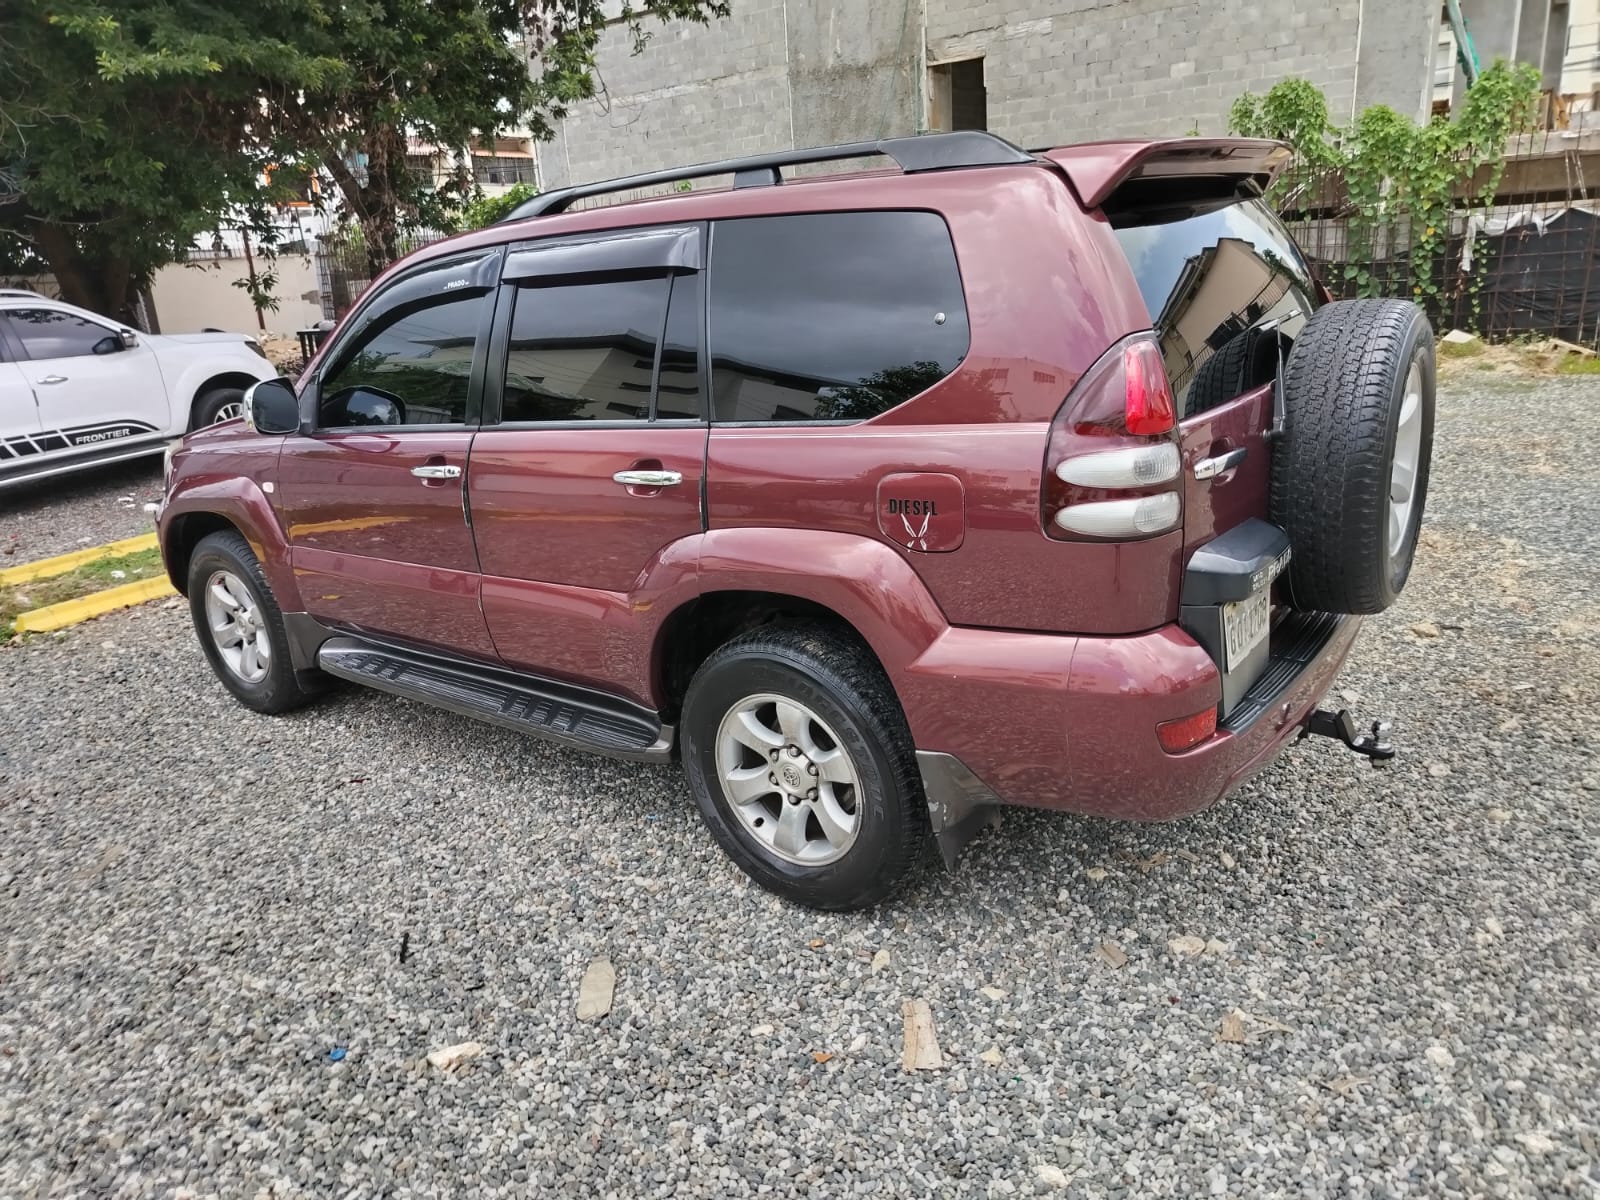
<point>1350,478</point>
<point>219,404</point>
<point>800,760</point>
<point>240,626</point>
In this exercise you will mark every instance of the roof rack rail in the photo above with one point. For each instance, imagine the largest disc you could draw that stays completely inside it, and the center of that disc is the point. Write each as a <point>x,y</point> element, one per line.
<point>923,152</point>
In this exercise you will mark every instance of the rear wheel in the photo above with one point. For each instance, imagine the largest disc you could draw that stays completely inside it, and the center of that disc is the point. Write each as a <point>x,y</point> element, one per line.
<point>1350,478</point>
<point>240,626</point>
<point>801,763</point>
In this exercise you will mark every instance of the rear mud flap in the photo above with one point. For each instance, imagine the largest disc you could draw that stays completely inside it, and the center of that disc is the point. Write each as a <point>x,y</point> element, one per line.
<point>960,806</point>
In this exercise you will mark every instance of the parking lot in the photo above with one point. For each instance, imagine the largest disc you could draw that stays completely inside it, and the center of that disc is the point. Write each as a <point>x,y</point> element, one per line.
<point>1398,992</point>
<point>69,512</point>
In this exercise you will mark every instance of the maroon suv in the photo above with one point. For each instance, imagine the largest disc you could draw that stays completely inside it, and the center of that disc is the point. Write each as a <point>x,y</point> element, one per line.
<point>1049,479</point>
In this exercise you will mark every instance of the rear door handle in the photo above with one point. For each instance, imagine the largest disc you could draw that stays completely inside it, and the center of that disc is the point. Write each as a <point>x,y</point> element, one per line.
<point>433,471</point>
<point>1208,468</point>
<point>48,379</point>
<point>653,479</point>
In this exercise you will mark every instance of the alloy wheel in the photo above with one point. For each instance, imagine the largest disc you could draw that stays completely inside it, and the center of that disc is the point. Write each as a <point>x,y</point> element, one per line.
<point>789,780</point>
<point>238,627</point>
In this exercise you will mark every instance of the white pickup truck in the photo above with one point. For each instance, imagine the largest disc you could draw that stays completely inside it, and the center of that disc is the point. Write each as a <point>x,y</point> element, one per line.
<point>77,390</point>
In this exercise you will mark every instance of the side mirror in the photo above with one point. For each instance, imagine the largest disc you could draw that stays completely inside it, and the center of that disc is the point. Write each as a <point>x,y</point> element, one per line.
<point>127,338</point>
<point>107,345</point>
<point>272,407</point>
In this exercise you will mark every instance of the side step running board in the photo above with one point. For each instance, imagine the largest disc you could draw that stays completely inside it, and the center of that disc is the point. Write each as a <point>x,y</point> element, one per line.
<point>560,712</point>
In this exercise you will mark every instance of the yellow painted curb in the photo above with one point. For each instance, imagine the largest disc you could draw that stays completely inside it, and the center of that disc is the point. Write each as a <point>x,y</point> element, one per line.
<point>62,563</point>
<point>71,612</point>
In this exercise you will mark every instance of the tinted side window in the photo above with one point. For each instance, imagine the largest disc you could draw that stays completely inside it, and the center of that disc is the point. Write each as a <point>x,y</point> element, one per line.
<point>50,333</point>
<point>1211,277</point>
<point>678,391</point>
<point>412,366</point>
<point>584,352</point>
<point>831,316</point>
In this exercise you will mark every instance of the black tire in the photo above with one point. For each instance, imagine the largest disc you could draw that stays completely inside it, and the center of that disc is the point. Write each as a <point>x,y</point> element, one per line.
<point>1243,362</point>
<point>1344,387</point>
<point>208,405</point>
<point>827,671</point>
<point>281,689</point>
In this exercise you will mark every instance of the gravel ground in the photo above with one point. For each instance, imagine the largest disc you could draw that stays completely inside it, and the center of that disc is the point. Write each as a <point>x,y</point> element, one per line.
<point>202,907</point>
<point>89,508</point>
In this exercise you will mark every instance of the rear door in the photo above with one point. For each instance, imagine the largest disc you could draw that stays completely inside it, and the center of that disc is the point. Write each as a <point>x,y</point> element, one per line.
<point>373,499</point>
<point>1223,283</point>
<point>590,464</point>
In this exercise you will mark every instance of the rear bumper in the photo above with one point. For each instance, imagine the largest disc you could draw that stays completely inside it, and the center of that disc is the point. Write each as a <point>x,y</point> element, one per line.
<point>1070,722</point>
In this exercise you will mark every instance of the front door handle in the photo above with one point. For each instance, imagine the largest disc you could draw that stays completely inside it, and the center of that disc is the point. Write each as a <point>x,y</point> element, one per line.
<point>436,471</point>
<point>48,379</point>
<point>1208,468</point>
<point>651,479</point>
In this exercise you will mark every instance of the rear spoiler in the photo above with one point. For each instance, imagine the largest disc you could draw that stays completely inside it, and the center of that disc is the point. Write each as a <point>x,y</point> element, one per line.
<point>1098,170</point>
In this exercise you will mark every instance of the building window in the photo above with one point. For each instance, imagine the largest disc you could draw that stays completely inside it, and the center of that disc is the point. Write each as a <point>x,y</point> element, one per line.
<point>502,169</point>
<point>957,98</point>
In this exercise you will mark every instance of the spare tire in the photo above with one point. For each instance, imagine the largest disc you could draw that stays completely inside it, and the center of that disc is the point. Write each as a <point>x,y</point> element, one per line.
<point>1350,476</point>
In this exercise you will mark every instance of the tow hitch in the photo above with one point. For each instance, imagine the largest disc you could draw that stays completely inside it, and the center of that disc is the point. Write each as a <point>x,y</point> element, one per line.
<point>1342,727</point>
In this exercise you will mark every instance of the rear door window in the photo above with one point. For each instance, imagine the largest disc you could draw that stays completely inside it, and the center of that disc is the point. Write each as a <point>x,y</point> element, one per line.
<point>831,316</point>
<point>1218,280</point>
<point>584,352</point>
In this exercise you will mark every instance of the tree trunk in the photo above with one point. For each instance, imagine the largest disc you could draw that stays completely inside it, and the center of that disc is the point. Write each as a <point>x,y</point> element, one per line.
<point>106,287</point>
<point>374,204</point>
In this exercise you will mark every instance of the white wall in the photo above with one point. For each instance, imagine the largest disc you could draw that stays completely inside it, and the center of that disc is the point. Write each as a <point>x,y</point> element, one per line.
<point>190,297</point>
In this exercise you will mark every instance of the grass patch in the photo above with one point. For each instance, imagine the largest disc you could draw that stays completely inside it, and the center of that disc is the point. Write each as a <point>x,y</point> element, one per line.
<point>91,577</point>
<point>1578,364</point>
<point>1461,349</point>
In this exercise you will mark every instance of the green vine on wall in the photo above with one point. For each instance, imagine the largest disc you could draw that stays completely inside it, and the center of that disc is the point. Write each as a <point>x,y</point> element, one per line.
<point>1400,178</point>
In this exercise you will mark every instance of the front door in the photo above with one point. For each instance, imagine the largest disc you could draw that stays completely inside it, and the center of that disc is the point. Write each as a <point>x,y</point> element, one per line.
<point>589,466</point>
<point>372,498</point>
<point>91,389</point>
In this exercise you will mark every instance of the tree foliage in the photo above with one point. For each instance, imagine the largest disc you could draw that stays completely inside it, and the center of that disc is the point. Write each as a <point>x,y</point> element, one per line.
<point>126,132</point>
<point>486,210</point>
<point>1394,171</point>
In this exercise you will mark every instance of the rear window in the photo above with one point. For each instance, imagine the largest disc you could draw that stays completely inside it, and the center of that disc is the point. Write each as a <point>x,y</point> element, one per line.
<point>1217,281</point>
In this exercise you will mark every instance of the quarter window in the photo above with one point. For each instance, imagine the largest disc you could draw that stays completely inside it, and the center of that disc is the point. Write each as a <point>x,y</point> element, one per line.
<point>831,316</point>
<point>587,352</point>
<point>52,333</point>
<point>412,367</point>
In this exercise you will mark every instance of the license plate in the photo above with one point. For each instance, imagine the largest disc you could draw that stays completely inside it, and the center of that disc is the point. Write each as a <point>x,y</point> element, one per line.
<point>1244,625</point>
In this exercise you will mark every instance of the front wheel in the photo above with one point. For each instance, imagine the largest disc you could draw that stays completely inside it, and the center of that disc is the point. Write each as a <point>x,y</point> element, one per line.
<point>240,626</point>
<point>218,405</point>
<point>802,765</point>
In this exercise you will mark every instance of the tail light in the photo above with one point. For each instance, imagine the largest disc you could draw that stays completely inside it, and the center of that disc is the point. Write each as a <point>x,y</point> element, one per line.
<point>1112,469</point>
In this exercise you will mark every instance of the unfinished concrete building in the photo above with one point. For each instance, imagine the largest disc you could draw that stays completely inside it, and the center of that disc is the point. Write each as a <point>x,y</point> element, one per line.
<point>785,73</point>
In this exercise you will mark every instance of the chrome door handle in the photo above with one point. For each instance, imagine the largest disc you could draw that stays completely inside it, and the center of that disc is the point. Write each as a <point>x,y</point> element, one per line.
<point>648,478</point>
<point>436,472</point>
<point>53,379</point>
<point>1207,468</point>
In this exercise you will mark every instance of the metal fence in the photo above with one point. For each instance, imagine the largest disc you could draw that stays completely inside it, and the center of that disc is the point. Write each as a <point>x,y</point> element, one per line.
<point>1527,263</point>
<point>344,272</point>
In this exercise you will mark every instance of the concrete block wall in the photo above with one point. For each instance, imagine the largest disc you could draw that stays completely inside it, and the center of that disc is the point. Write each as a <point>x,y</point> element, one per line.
<point>696,93</point>
<point>1068,70</point>
<point>780,73</point>
<point>772,76</point>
